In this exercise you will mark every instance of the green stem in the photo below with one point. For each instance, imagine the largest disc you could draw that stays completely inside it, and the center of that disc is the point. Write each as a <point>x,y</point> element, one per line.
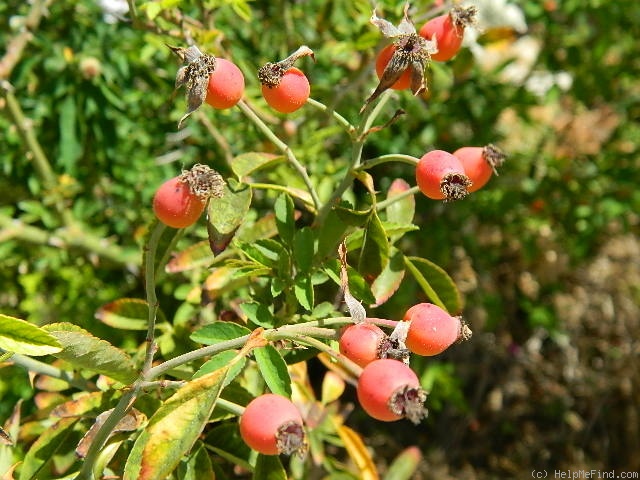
<point>350,129</point>
<point>46,369</point>
<point>396,198</point>
<point>392,157</point>
<point>250,114</point>
<point>368,117</point>
<point>230,406</point>
<point>150,288</point>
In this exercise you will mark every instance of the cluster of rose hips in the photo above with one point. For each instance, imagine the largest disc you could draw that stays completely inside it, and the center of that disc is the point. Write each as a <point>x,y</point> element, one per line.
<point>387,388</point>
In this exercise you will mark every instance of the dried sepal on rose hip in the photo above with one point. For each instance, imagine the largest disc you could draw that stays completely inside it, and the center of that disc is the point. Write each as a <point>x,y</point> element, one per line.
<point>285,87</point>
<point>179,202</point>
<point>271,424</point>
<point>217,81</point>
<point>389,390</point>
<point>480,163</point>
<point>448,30</point>
<point>411,53</point>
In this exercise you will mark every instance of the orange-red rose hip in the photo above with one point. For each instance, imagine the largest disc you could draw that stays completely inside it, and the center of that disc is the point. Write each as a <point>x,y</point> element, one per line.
<point>226,85</point>
<point>271,424</point>
<point>175,205</point>
<point>441,176</point>
<point>290,94</point>
<point>432,330</point>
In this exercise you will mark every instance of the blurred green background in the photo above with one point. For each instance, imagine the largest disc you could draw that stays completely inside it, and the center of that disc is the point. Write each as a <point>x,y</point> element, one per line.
<point>547,255</point>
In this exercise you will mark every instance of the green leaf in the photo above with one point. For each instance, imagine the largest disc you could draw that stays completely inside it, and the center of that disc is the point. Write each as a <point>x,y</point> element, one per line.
<point>198,465</point>
<point>358,287</point>
<point>268,252</point>
<point>303,289</point>
<point>20,336</point>
<point>330,236</point>
<point>69,147</point>
<point>303,249</point>
<point>127,314</point>
<point>220,360</point>
<point>436,284</point>
<point>273,369</point>
<point>225,441</point>
<point>401,212</point>
<point>217,332</point>
<point>247,163</point>
<point>404,466</point>
<point>258,314</point>
<point>389,280</point>
<point>269,467</point>
<point>285,220</point>
<point>351,217</point>
<point>374,254</point>
<point>174,428</point>
<point>84,351</point>
<point>54,438</point>
<point>226,214</point>
<point>195,256</point>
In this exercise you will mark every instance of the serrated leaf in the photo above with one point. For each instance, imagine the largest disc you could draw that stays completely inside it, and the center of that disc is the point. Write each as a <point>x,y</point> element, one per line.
<point>225,214</point>
<point>83,350</point>
<point>402,211</point>
<point>303,249</point>
<point>195,256</point>
<point>285,220</point>
<point>436,284</point>
<point>174,428</point>
<point>303,290</point>
<point>258,314</point>
<point>389,280</point>
<point>127,314</point>
<point>52,439</point>
<point>269,467</point>
<point>20,336</point>
<point>217,332</point>
<point>247,163</point>
<point>274,370</point>
<point>374,254</point>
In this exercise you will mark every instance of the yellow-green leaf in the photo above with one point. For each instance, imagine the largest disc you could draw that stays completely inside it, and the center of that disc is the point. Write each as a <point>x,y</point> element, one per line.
<point>19,336</point>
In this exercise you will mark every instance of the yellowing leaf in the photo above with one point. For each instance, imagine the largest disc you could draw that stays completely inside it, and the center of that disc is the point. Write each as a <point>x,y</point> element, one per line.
<point>358,452</point>
<point>19,336</point>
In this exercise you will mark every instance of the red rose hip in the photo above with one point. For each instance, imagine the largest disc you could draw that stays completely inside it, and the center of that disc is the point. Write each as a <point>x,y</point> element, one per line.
<point>363,343</point>
<point>389,390</point>
<point>290,94</point>
<point>441,176</point>
<point>175,205</point>
<point>226,85</point>
<point>480,163</point>
<point>432,330</point>
<point>271,424</point>
<point>448,30</point>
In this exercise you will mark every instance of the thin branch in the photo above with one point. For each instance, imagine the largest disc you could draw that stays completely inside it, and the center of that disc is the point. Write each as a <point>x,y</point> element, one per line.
<point>17,44</point>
